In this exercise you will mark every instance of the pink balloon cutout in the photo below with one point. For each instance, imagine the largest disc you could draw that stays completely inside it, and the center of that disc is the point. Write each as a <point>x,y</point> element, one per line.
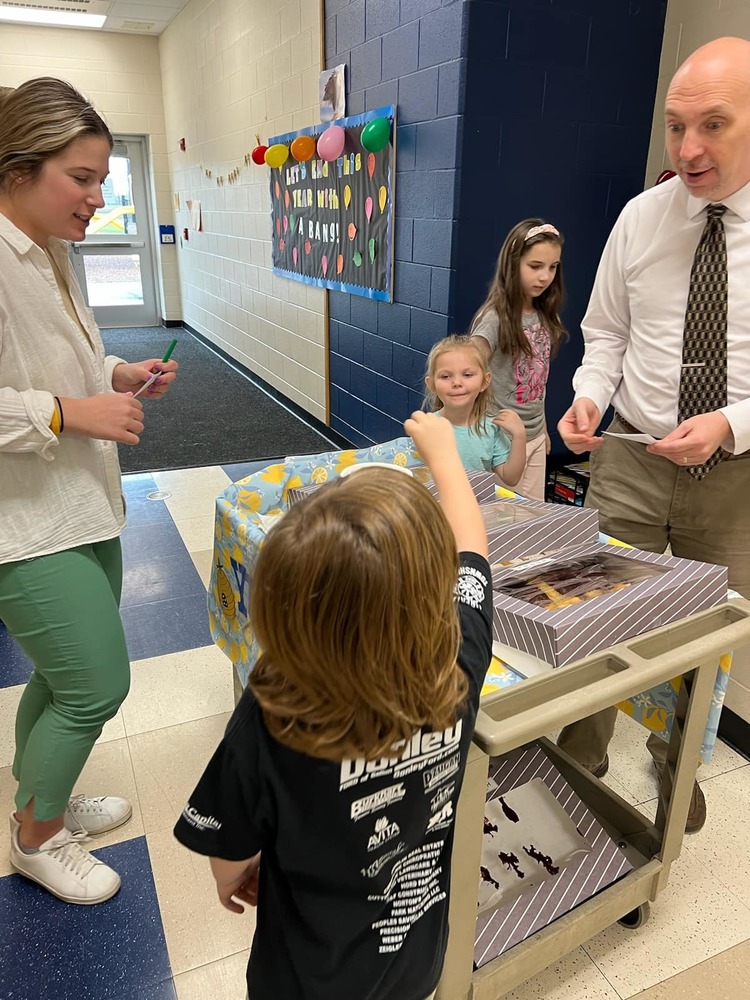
<point>331,143</point>
<point>324,264</point>
<point>294,255</point>
<point>286,223</point>
<point>368,208</point>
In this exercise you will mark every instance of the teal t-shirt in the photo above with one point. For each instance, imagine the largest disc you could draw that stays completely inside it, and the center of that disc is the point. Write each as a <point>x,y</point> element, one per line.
<point>484,448</point>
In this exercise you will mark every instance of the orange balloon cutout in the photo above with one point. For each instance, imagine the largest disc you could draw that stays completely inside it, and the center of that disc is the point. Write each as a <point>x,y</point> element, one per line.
<point>277,189</point>
<point>347,196</point>
<point>324,264</point>
<point>339,263</point>
<point>308,246</point>
<point>303,148</point>
<point>382,199</point>
<point>278,227</point>
<point>371,164</point>
<point>286,198</point>
<point>352,231</point>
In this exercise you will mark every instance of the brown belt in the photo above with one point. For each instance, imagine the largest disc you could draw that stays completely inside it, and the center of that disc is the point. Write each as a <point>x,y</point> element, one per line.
<point>626,424</point>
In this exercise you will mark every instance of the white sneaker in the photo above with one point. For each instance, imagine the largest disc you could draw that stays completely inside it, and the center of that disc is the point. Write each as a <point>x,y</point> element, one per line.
<point>95,816</point>
<point>65,869</point>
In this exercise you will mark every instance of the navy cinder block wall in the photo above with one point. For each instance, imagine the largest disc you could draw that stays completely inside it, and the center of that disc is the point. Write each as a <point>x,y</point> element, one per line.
<point>404,52</point>
<point>505,110</point>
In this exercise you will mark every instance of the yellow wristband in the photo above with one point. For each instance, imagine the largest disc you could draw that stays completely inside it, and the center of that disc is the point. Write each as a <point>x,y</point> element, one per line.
<point>54,424</point>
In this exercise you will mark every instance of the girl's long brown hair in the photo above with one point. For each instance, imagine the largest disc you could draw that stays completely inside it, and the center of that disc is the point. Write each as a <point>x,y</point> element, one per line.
<point>506,298</point>
<point>353,608</point>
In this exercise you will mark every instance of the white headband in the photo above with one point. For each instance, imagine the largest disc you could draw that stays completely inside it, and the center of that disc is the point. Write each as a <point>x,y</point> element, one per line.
<point>538,230</point>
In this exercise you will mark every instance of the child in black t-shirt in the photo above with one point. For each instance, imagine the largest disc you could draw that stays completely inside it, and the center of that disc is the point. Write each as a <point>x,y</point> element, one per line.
<point>330,801</point>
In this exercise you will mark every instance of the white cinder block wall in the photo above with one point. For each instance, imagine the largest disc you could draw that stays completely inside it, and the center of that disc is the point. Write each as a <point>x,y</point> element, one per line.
<point>691,23</point>
<point>231,68</point>
<point>120,73</point>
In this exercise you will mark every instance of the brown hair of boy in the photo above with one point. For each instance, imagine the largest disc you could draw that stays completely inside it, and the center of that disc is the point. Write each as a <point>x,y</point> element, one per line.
<point>353,608</point>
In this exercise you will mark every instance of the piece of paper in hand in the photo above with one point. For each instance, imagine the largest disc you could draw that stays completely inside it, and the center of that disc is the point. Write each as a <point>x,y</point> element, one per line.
<point>640,438</point>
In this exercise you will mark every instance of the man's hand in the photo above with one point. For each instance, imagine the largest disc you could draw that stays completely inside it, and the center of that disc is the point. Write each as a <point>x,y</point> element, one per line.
<point>578,426</point>
<point>132,377</point>
<point>695,440</point>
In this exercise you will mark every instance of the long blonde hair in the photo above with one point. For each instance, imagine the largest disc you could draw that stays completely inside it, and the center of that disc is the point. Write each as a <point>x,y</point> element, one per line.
<point>39,119</point>
<point>506,298</point>
<point>485,402</point>
<point>353,608</point>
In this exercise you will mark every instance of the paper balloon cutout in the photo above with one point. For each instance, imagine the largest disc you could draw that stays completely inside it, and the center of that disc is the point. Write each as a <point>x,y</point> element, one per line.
<point>382,198</point>
<point>357,258</point>
<point>324,264</point>
<point>308,246</point>
<point>276,189</point>
<point>292,223</point>
<point>286,198</point>
<point>259,155</point>
<point>351,231</point>
<point>371,248</point>
<point>371,164</point>
<point>278,227</point>
<point>294,255</point>
<point>286,223</point>
<point>303,148</point>
<point>277,155</point>
<point>282,244</point>
<point>375,134</point>
<point>368,208</point>
<point>331,143</point>
<point>347,196</point>
<point>339,263</point>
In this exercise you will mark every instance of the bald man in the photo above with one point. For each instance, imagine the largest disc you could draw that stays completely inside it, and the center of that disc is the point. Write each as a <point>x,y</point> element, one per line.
<point>652,495</point>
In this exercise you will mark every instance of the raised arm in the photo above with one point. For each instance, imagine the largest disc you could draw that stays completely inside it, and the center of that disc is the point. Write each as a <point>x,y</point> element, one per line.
<point>436,443</point>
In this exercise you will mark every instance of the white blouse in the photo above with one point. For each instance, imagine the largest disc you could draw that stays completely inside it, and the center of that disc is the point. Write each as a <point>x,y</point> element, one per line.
<point>55,493</point>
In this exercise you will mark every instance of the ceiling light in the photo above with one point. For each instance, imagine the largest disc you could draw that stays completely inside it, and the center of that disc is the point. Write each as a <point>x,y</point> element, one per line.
<point>63,18</point>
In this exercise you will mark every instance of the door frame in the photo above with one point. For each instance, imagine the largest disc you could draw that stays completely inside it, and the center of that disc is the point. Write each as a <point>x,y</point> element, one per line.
<point>142,244</point>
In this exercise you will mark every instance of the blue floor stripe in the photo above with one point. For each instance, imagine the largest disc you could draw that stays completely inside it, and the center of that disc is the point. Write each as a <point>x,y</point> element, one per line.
<point>113,951</point>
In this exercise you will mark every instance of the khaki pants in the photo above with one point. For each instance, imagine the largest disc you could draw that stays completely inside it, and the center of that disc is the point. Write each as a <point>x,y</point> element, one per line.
<point>531,483</point>
<point>650,502</point>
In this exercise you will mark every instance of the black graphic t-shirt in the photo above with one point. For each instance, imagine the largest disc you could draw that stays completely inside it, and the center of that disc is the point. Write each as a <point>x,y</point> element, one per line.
<point>355,870</point>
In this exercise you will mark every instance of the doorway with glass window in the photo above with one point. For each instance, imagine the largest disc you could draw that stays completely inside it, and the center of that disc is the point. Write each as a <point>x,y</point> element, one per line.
<point>115,263</point>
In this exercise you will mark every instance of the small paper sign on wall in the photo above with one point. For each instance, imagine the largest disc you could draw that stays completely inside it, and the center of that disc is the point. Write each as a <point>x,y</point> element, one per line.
<point>332,216</point>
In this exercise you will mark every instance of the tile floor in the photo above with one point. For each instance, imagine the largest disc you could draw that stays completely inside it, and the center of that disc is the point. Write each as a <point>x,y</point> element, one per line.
<point>165,937</point>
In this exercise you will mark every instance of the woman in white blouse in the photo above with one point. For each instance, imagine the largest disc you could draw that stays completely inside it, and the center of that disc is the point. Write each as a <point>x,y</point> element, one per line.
<point>63,407</point>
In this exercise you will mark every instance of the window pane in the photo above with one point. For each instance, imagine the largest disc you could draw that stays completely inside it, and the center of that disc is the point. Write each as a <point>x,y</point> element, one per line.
<point>113,279</point>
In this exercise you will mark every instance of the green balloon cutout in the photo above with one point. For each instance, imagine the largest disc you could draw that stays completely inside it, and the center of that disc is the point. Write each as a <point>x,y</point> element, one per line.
<point>357,258</point>
<point>371,248</point>
<point>292,223</point>
<point>375,134</point>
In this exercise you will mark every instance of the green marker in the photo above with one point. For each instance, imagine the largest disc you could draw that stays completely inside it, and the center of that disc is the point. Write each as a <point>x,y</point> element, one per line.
<point>168,355</point>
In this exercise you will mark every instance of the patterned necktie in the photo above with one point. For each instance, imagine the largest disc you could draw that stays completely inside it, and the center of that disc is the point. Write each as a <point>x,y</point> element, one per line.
<point>703,379</point>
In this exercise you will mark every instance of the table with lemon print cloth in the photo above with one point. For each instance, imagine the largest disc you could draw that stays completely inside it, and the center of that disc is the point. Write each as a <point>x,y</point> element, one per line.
<point>247,510</point>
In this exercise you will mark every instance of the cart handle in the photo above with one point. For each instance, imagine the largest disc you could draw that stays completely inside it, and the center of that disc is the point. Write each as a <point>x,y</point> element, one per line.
<point>514,716</point>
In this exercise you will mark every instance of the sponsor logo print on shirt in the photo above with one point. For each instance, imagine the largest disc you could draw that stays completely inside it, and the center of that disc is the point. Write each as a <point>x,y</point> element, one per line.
<point>422,749</point>
<point>441,819</point>
<point>441,772</point>
<point>471,586</point>
<point>372,870</point>
<point>194,818</point>
<point>442,797</point>
<point>384,831</point>
<point>378,800</point>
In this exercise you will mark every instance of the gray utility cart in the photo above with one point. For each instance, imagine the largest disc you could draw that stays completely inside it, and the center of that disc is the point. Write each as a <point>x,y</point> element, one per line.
<point>515,716</point>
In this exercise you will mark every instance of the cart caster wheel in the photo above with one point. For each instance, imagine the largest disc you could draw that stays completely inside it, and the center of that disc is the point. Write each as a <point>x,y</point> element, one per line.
<point>636,918</point>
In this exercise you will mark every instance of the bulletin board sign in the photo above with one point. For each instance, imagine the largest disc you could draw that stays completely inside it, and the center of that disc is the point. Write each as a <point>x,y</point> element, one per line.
<point>333,220</point>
